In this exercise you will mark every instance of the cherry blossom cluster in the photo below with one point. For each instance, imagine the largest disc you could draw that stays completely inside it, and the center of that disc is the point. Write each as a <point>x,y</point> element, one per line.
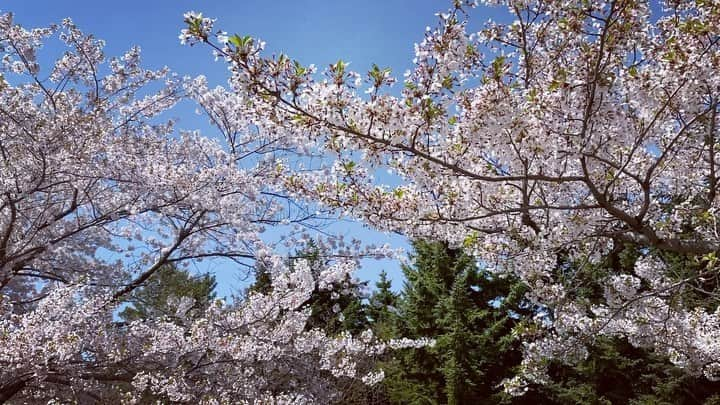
<point>259,348</point>
<point>98,191</point>
<point>543,145</point>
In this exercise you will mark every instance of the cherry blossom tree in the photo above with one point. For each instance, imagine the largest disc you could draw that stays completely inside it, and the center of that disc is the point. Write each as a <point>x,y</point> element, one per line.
<point>578,128</point>
<point>97,193</point>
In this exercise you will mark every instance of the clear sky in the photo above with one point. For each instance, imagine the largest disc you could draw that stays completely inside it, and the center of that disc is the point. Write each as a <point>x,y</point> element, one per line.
<point>319,32</point>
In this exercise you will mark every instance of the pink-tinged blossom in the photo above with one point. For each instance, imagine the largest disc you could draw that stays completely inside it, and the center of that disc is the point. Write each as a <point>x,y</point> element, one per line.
<point>97,193</point>
<point>562,136</point>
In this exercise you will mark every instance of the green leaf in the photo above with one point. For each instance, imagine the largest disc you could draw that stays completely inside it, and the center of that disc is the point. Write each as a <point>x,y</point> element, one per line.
<point>349,166</point>
<point>470,240</point>
<point>241,43</point>
<point>447,82</point>
<point>498,64</point>
<point>235,40</point>
<point>470,50</point>
<point>532,94</point>
<point>300,70</point>
<point>339,67</point>
<point>378,75</point>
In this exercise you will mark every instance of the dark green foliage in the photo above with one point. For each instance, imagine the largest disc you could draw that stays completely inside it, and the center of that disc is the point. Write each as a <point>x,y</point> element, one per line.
<point>336,311</point>
<point>618,373</point>
<point>382,308</point>
<point>471,313</point>
<point>701,291</point>
<point>151,300</point>
<point>262,283</point>
<point>339,310</point>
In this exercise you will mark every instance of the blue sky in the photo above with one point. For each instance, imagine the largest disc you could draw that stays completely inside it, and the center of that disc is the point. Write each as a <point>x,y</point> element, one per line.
<point>319,32</point>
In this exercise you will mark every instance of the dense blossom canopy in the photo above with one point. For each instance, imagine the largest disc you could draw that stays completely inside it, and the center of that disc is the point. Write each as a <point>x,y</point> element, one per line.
<point>576,129</point>
<point>97,193</point>
<point>577,132</point>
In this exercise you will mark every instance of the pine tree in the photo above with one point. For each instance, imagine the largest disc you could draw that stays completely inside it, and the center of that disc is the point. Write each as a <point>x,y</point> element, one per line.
<point>382,308</point>
<point>262,283</point>
<point>616,372</point>
<point>471,314</point>
<point>156,298</point>
<point>330,311</point>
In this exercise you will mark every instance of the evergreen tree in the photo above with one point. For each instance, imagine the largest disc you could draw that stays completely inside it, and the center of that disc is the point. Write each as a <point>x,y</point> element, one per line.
<point>263,281</point>
<point>160,294</point>
<point>382,308</point>
<point>471,314</point>
<point>331,311</point>
<point>616,372</point>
